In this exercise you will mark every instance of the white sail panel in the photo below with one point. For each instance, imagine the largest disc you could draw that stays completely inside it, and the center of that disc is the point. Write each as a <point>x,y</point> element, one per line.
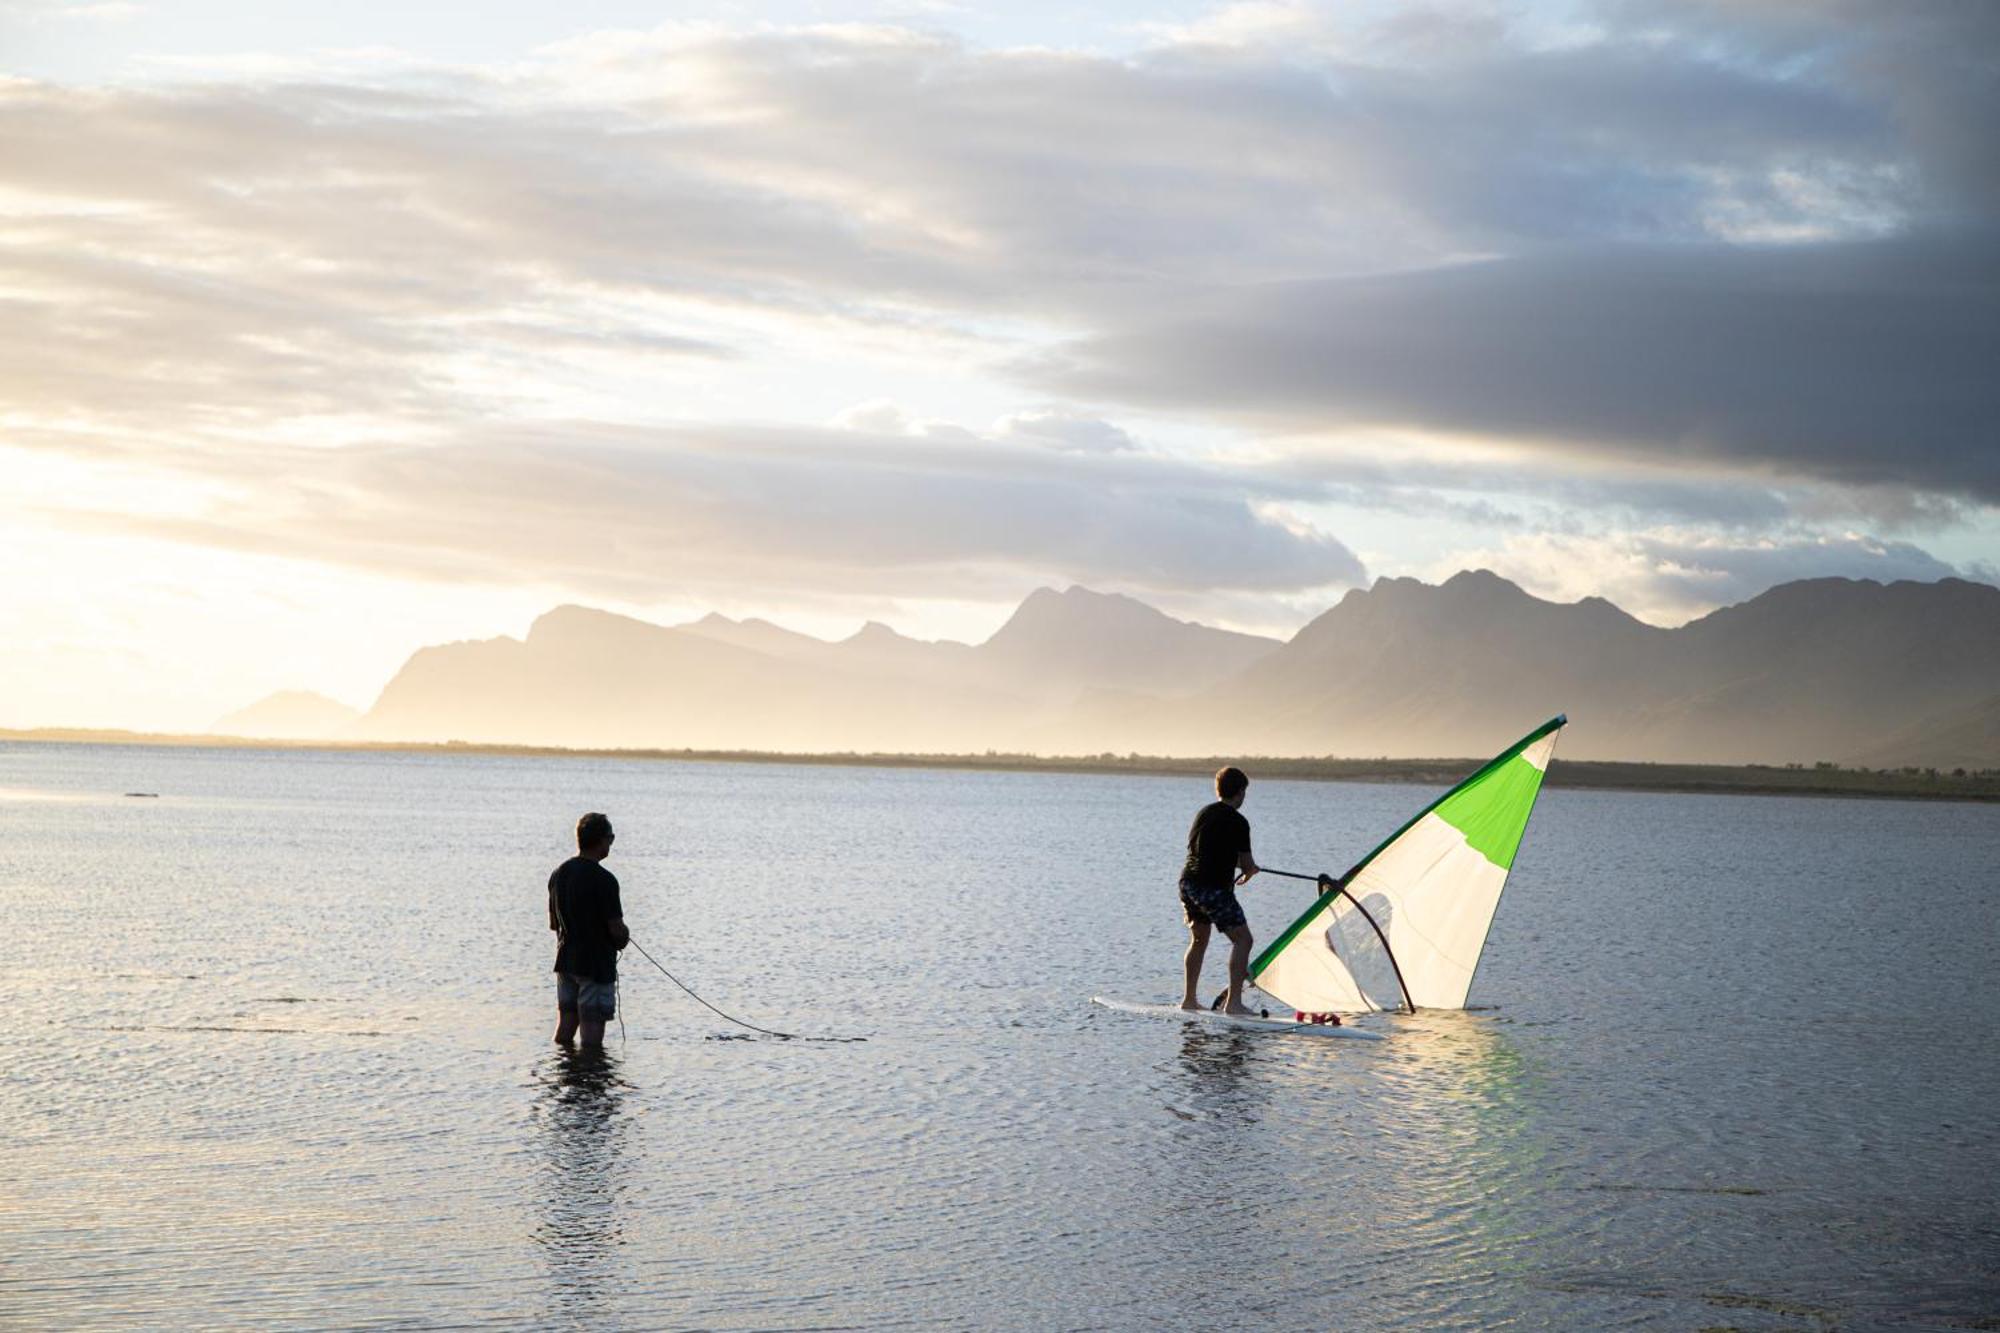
<point>1434,896</point>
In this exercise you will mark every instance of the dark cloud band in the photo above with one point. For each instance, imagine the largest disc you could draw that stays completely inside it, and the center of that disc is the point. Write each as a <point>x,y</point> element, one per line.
<point>1862,363</point>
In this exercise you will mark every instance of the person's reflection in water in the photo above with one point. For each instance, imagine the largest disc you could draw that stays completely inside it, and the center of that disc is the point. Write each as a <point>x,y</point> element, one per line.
<point>1217,1098</point>
<point>1215,1061</point>
<point>576,1113</point>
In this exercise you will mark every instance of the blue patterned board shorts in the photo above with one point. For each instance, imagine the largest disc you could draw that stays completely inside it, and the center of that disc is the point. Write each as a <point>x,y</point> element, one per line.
<point>1215,904</point>
<point>594,1000</point>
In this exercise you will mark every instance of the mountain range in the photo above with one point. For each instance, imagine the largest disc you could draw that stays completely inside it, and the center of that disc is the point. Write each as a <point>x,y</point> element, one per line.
<point>1841,670</point>
<point>288,715</point>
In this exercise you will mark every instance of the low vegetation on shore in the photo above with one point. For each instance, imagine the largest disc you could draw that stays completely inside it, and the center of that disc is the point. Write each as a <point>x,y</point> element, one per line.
<point>1822,778</point>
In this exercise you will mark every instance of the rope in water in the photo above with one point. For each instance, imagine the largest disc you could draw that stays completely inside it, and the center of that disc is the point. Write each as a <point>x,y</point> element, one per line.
<point>782,1036</point>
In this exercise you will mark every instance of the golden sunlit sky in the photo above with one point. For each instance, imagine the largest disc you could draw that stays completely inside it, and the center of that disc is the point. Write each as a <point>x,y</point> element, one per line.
<point>333,331</point>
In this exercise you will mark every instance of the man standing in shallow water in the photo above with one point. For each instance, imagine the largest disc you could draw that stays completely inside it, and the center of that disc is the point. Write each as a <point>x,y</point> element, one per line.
<point>590,930</point>
<point>1218,859</point>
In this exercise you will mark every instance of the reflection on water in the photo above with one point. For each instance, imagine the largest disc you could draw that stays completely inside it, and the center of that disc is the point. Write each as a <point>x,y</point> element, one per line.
<point>1469,1155</point>
<point>1179,1217</point>
<point>580,1175</point>
<point>1214,1063</point>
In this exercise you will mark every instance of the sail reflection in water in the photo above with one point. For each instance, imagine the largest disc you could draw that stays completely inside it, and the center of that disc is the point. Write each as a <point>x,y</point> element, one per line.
<point>1418,1169</point>
<point>580,1174</point>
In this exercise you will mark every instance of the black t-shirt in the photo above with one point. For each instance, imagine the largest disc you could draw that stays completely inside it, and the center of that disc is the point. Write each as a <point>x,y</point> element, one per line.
<point>1220,834</point>
<point>583,899</point>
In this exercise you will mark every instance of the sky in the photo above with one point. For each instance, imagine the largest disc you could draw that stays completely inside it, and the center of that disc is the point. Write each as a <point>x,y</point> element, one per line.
<point>329,331</point>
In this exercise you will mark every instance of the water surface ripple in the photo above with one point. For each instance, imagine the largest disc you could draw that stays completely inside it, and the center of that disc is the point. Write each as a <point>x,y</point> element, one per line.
<point>278,1057</point>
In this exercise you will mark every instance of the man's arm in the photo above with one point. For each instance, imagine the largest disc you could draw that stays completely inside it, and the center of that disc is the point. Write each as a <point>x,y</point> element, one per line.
<point>614,916</point>
<point>1246,866</point>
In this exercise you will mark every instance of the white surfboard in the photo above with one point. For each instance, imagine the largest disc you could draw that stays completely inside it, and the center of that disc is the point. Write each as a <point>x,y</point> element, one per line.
<point>1249,1021</point>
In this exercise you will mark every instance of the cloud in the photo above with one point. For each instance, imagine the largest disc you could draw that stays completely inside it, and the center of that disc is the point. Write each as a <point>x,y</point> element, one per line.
<point>881,416</point>
<point>714,511</point>
<point>862,171</point>
<point>1552,492</point>
<point>1060,429</point>
<point>1668,577</point>
<point>1862,363</point>
<point>491,284</point>
<point>41,11</point>
<point>1929,67</point>
<point>856,169</point>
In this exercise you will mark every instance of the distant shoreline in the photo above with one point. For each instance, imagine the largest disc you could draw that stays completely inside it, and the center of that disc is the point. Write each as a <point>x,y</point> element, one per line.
<point>1573,774</point>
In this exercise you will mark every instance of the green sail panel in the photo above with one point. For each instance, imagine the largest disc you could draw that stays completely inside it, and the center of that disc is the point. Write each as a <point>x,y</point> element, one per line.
<point>1492,809</point>
<point>1410,922</point>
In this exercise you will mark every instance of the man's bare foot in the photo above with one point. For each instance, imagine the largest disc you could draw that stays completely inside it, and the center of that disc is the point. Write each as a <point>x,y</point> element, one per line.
<point>1238,1009</point>
<point>1190,1006</point>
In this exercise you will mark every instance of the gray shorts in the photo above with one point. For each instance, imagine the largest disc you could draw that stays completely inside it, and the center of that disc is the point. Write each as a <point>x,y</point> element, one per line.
<point>594,1000</point>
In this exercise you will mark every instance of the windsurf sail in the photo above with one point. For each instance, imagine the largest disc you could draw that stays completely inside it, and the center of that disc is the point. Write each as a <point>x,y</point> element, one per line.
<point>1405,927</point>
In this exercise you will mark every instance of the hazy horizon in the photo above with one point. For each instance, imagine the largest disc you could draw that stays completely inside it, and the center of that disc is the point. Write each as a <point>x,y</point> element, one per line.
<point>822,639</point>
<point>336,334</point>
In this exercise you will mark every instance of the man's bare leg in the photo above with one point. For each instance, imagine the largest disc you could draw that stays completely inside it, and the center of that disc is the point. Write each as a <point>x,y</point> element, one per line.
<point>1239,969</point>
<point>592,1032</point>
<point>565,1026</point>
<point>1196,950</point>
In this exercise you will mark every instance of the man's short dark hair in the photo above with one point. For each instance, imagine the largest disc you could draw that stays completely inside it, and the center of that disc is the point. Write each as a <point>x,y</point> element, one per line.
<point>593,829</point>
<point>1230,782</point>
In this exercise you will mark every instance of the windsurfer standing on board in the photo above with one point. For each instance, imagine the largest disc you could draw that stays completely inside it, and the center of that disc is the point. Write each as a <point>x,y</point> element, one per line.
<point>590,930</point>
<point>1218,859</point>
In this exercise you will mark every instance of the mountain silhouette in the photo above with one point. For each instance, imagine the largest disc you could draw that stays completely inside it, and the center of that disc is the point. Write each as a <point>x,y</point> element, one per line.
<point>1821,669</point>
<point>293,715</point>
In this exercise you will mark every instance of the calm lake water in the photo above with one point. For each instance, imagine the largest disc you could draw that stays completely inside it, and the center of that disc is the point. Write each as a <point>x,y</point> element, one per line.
<point>277,1055</point>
